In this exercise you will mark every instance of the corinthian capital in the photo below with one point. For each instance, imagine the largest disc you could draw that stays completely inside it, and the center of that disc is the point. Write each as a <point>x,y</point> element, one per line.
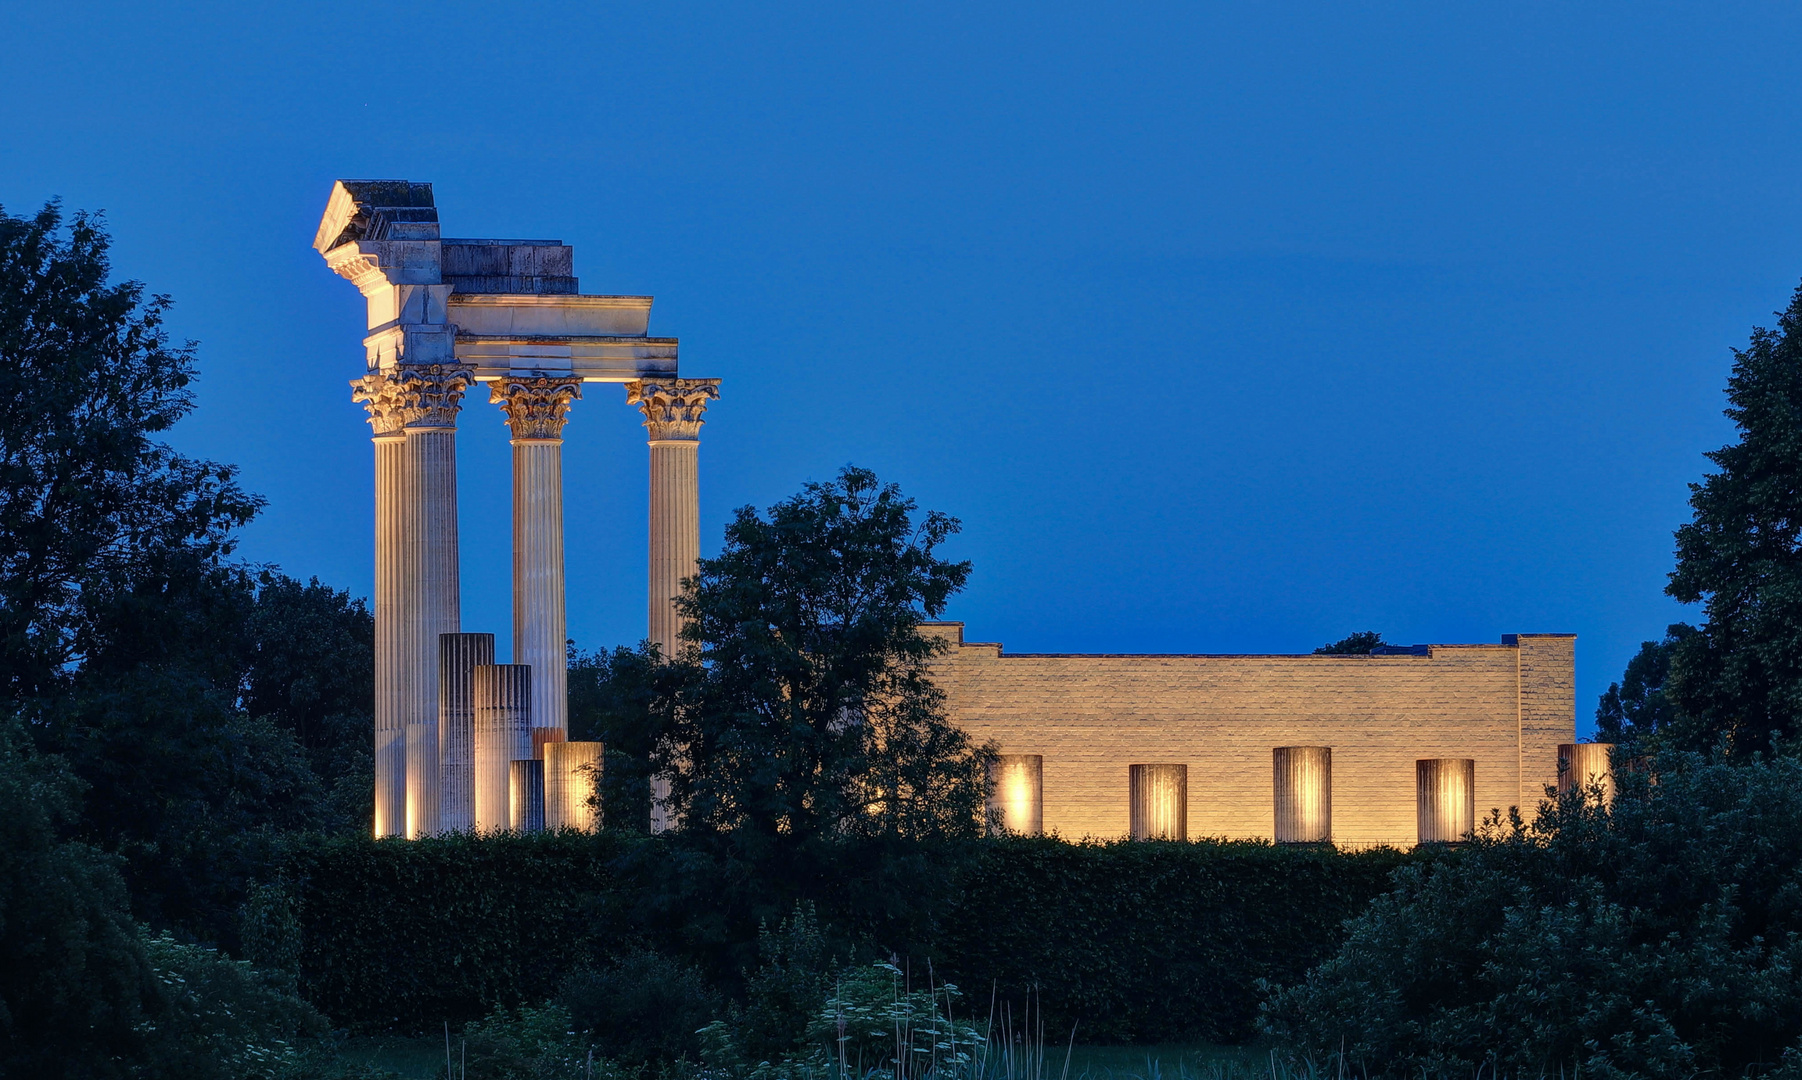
<point>536,408</point>
<point>384,396</point>
<point>672,407</point>
<point>434,393</point>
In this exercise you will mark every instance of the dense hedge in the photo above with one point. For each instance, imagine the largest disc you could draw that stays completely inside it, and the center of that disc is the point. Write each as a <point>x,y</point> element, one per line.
<point>1136,942</point>
<point>1154,942</point>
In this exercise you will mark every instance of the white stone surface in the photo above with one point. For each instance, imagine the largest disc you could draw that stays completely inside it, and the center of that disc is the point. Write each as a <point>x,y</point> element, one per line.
<point>458,657</point>
<point>572,770</point>
<point>503,708</point>
<point>536,410</point>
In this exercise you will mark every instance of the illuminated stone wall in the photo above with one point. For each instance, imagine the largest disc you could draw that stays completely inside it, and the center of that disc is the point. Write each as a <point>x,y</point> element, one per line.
<point>1506,706</point>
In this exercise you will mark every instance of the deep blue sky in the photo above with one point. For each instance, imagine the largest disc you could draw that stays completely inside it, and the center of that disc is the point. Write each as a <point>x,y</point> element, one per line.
<point>1228,331</point>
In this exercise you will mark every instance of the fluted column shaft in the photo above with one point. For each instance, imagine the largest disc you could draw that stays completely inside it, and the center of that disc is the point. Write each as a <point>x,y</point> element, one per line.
<point>673,410</point>
<point>675,534</point>
<point>458,657</point>
<point>536,408</point>
<point>391,700</point>
<point>503,710</point>
<point>539,618</point>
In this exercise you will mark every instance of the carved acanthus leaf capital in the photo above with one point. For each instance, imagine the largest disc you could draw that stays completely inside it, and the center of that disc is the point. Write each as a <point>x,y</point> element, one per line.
<point>434,393</point>
<point>385,398</point>
<point>537,407</point>
<point>672,407</point>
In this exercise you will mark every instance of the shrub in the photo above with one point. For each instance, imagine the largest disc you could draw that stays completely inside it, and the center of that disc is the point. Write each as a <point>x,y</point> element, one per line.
<point>1662,937</point>
<point>1141,942</point>
<point>642,1007</point>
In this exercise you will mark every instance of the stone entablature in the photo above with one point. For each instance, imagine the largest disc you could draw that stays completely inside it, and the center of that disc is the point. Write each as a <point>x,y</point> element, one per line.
<point>1091,717</point>
<point>500,307</point>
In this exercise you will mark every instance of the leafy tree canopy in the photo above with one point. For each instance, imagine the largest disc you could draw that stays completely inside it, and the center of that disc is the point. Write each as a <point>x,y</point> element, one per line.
<point>810,712</point>
<point>1358,644</point>
<point>99,522</point>
<point>618,699</point>
<point>1636,708</point>
<point>1738,679</point>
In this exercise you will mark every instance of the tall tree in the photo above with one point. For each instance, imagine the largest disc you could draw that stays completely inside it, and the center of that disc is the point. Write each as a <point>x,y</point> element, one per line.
<point>1738,680</point>
<point>812,712</point>
<point>1638,707</point>
<point>96,515</point>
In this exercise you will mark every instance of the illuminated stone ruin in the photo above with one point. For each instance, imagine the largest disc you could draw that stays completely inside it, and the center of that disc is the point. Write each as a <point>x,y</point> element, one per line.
<point>444,317</point>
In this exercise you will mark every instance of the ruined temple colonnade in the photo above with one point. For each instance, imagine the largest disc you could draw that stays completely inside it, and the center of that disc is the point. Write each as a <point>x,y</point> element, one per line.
<point>445,315</point>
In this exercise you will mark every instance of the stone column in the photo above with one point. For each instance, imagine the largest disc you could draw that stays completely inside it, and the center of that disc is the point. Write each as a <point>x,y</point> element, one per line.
<point>537,409</point>
<point>1445,799</point>
<point>384,397</point>
<point>1586,765</point>
<point>503,696</point>
<point>572,773</point>
<point>435,394</point>
<point>672,415</point>
<point>525,795</point>
<point>1160,802</point>
<point>1302,784</point>
<point>458,657</point>
<point>1017,803</point>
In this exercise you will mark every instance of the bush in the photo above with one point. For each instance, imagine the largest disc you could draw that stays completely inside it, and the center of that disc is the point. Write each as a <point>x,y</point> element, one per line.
<point>642,1007</point>
<point>1662,937</point>
<point>527,1044</point>
<point>1140,942</point>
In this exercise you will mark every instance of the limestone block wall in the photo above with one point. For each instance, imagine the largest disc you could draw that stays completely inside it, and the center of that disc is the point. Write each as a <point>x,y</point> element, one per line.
<point>1506,706</point>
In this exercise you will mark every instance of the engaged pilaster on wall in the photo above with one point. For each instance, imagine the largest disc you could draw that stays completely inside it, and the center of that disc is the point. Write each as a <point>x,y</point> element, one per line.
<point>537,407</point>
<point>1445,799</point>
<point>1302,783</point>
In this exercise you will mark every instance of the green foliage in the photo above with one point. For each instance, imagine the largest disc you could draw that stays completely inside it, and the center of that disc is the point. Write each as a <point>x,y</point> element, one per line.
<point>102,528</point>
<point>809,712</point>
<point>1140,942</point>
<point>619,699</point>
<point>1358,644</point>
<point>1149,942</point>
<point>880,1024</point>
<point>1738,679</point>
<point>795,973</point>
<point>73,977</point>
<point>527,1044</point>
<point>1635,709</point>
<point>221,1019</point>
<point>1660,938</point>
<point>642,1007</point>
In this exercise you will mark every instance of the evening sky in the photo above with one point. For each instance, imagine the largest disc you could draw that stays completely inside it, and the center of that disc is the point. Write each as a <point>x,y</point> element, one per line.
<point>1224,328</point>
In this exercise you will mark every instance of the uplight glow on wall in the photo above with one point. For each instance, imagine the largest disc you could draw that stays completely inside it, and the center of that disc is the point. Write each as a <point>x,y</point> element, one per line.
<point>1017,800</point>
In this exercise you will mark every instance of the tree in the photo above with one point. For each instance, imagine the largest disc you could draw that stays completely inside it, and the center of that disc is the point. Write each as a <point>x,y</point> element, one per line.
<point>1636,708</point>
<point>1358,644</point>
<point>95,515</point>
<point>1738,679</point>
<point>621,700</point>
<point>810,711</point>
<point>74,982</point>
